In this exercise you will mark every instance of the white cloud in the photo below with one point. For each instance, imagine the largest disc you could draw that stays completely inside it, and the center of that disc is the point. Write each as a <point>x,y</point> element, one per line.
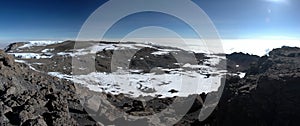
<point>278,1</point>
<point>258,47</point>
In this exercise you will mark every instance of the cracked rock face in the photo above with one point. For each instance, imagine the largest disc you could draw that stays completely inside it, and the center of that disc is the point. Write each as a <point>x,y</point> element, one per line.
<point>6,60</point>
<point>31,98</point>
<point>268,95</point>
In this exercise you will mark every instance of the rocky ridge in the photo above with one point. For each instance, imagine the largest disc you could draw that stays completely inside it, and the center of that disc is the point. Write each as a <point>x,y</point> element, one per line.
<point>268,95</point>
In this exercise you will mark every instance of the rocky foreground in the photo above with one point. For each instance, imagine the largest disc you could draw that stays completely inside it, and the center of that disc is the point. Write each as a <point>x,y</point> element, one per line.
<point>269,95</point>
<point>32,98</point>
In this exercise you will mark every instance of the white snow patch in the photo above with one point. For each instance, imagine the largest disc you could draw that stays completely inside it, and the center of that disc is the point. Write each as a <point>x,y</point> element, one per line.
<point>39,43</point>
<point>100,47</point>
<point>149,84</point>
<point>169,50</point>
<point>138,84</point>
<point>66,54</point>
<point>194,66</point>
<point>31,56</point>
<point>29,65</point>
<point>160,53</point>
<point>38,63</point>
<point>214,59</point>
<point>20,61</point>
<point>59,75</point>
<point>47,50</point>
<point>141,45</point>
<point>164,51</point>
<point>136,71</point>
<point>241,75</point>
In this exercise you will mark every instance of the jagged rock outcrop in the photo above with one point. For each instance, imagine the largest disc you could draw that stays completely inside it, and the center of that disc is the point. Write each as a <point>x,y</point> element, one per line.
<point>240,62</point>
<point>269,95</point>
<point>31,98</point>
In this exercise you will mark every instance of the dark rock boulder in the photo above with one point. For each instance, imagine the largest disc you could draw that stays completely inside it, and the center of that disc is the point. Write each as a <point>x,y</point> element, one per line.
<point>5,59</point>
<point>269,96</point>
<point>31,98</point>
<point>240,62</point>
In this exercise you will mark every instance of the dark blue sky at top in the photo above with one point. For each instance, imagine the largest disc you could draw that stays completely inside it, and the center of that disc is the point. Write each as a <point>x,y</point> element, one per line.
<point>44,19</point>
<point>138,20</point>
<point>22,20</point>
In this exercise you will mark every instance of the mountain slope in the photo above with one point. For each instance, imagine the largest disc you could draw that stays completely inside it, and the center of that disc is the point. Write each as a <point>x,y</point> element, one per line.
<point>267,95</point>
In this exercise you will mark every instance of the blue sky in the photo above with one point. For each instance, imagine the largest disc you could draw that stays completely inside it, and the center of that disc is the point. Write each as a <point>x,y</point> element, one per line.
<point>234,19</point>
